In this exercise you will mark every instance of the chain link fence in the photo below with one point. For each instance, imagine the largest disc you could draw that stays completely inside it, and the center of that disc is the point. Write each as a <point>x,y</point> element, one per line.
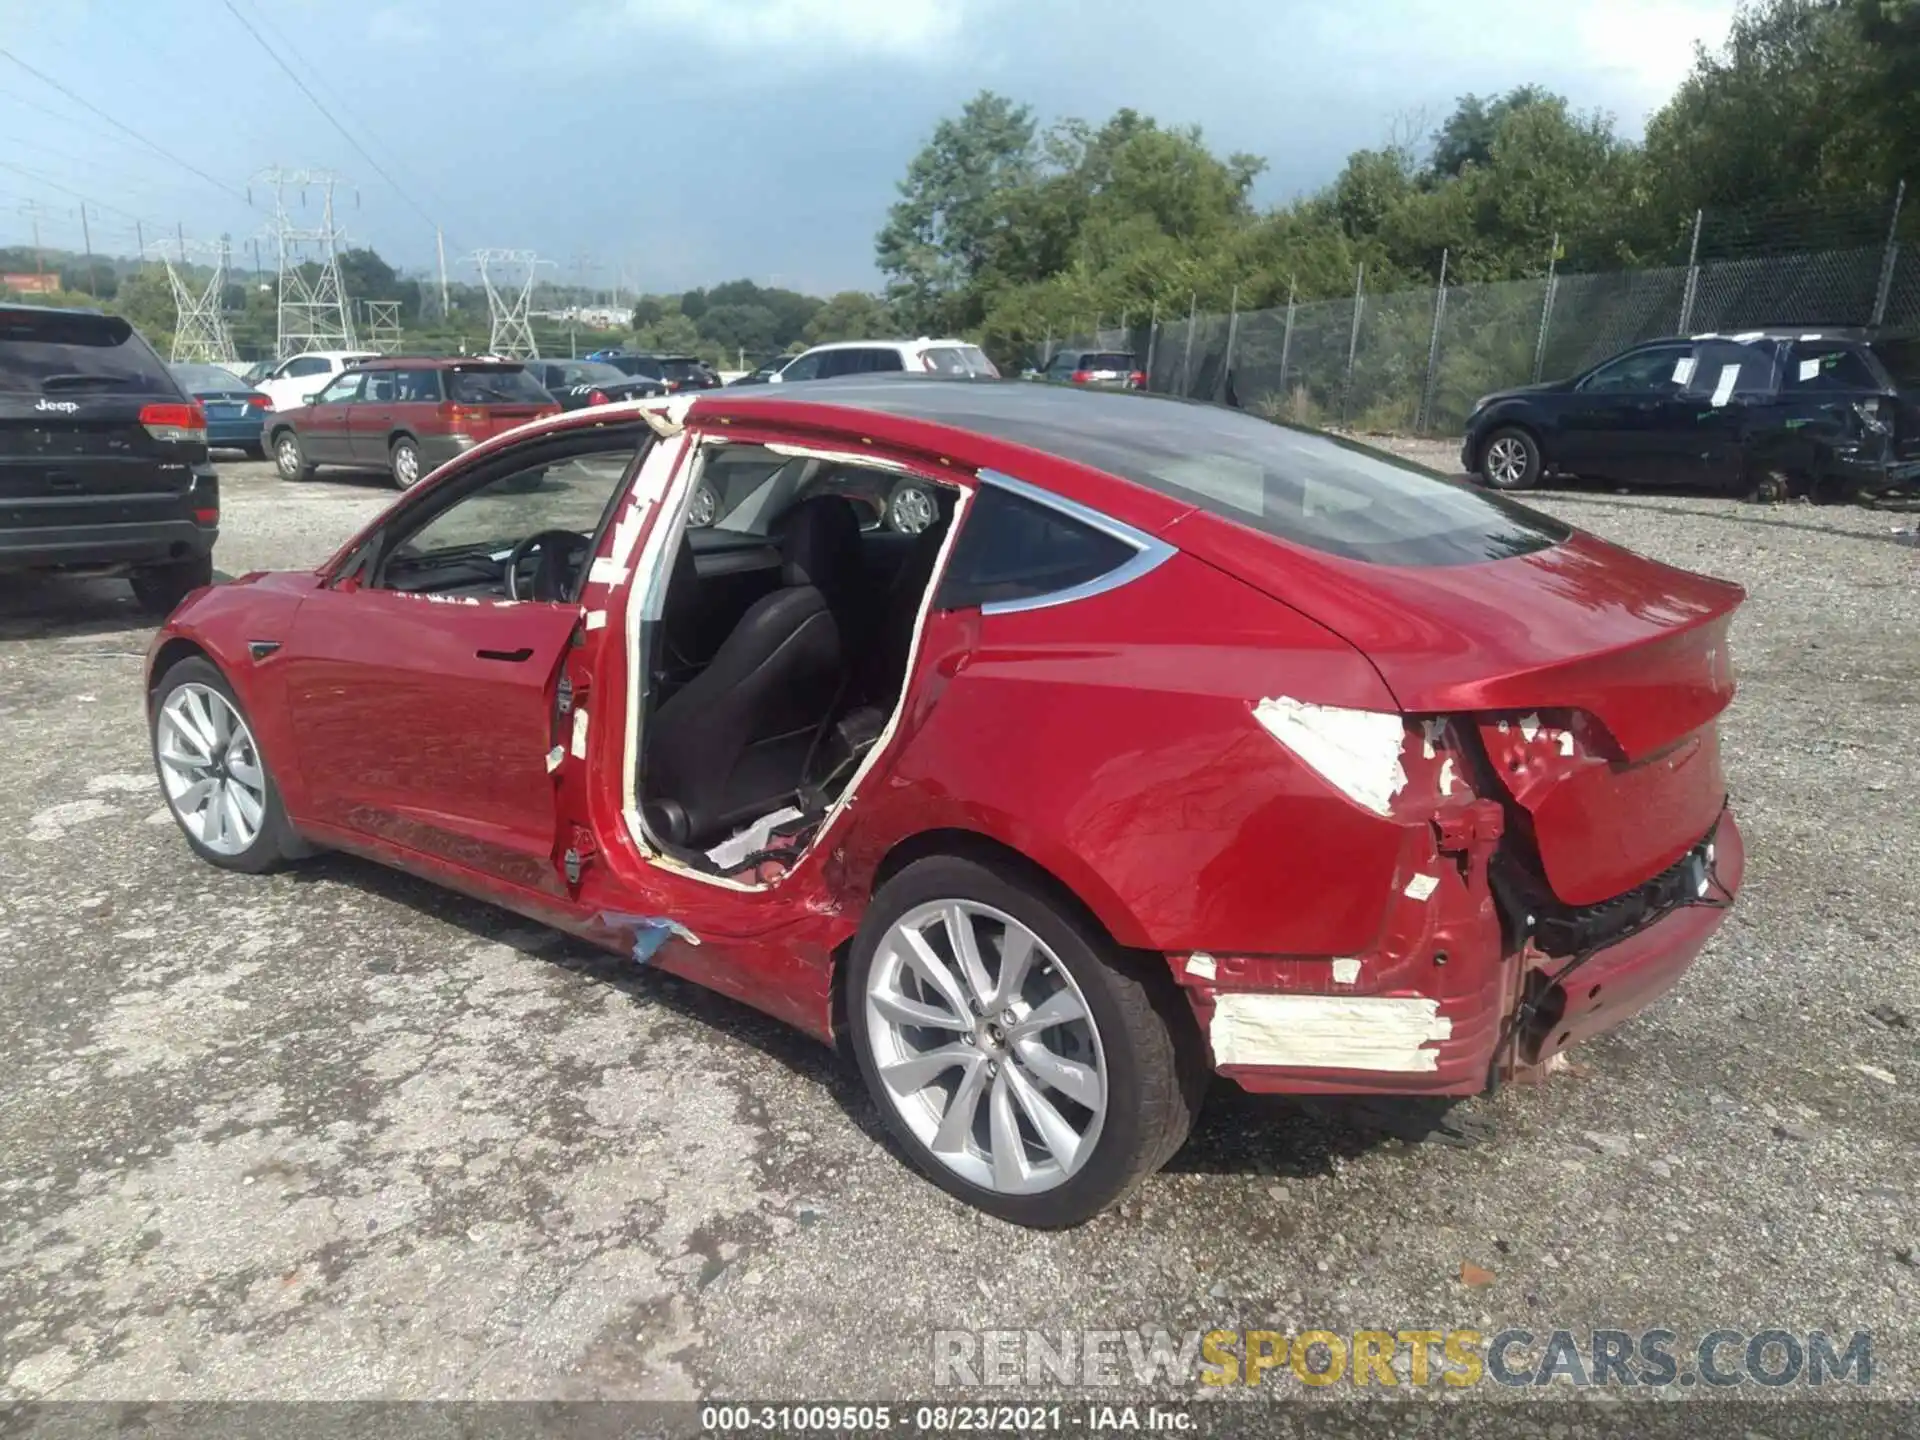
<point>1415,361</point>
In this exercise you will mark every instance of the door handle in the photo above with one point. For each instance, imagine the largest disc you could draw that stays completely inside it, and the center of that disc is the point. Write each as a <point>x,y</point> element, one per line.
<point>525,652</point>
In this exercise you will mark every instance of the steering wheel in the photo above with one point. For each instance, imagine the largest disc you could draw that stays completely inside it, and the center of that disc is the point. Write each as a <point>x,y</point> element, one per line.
<point>560,553</point>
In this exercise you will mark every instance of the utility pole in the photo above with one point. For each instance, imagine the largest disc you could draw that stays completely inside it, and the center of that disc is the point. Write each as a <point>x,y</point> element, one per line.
<point>1546,308</point>
<point>1887,260</point>
<point>86,240</point>
<point>1693,274</point>
<point>1186,359</point>
<point>440,249</point>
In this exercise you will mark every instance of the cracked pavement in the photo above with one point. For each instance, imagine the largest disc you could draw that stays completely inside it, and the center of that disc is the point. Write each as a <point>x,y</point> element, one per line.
<point>334,1133</point>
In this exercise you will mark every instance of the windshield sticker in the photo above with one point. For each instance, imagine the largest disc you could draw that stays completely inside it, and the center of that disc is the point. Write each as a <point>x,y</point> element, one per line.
<point>1729,374</point>
<point>1810,368</point>
<point>1683,369</point>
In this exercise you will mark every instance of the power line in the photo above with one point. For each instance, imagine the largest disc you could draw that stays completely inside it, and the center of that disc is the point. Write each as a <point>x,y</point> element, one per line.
<point>40,179</point>
<point>93,109</point>
<point>261,40</point>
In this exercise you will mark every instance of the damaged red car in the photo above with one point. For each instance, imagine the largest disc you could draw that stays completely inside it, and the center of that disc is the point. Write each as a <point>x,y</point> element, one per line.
<point>1175,742</point>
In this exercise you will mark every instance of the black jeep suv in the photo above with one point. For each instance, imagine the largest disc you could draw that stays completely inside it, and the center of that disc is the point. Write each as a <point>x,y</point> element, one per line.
<point>103,460</point>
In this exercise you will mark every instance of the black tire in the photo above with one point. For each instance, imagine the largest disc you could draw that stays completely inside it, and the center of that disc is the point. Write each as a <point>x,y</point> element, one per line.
<point>1510,443</point>
<point>1770,485</point>
<point>159,589</point>
<point>276,843</point>
<point>1155,1073</point>
<point>290,456</point>
<point>404,463</point>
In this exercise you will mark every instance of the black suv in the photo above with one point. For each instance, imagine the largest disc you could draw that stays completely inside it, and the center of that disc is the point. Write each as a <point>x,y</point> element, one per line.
<point>1768,413</point>
<point>103,460</point>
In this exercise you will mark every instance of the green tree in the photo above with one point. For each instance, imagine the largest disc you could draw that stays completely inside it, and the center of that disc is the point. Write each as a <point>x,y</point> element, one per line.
<point>672,334</point>
<point>734,328</point>
<point>1467,136</point>
<point>850,315</point>
<point>938,235</point>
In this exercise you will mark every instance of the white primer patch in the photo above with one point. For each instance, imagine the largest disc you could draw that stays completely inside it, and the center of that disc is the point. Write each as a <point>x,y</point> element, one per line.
<point>1355,751</point>
<point>1566,742</point>
<point>554,757</point>
<point>1745,337</point>
<point>596,619</point>
<point>626,533</point>
<point>844,457</point>
<point>1346,971</point>
<point>605,571</point>
<point>1333,1032</point>
<point>1446,776</point>
<point>1430,731</point>
<point>1421,887</point>
<point>579,735</point>
<point>1723,391</point>
<point>1201,964</point>
<point>1529,727</point>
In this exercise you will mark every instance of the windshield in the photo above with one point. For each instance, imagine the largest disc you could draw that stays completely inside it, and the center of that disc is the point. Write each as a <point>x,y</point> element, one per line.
<point>495,385</point>
<point>959,360</point>
<point>682,368</point>
<point>45,353</point>
<point>589,372</point>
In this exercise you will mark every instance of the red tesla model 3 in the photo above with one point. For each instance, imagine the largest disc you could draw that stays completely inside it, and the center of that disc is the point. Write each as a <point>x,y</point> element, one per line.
<point>1054,748</point>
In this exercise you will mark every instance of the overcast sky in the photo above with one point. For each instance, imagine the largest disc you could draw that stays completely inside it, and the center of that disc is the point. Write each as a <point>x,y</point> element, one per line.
<point>685,142</point>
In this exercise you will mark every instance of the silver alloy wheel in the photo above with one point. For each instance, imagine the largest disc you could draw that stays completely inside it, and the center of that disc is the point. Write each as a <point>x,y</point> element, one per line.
<point>211,769</point>
<point>986,1047</point>
<point>286,454</point>
<point>406,465</point>
<point>1507,460</point>
<point>705,505</point>
<point>911,510</point>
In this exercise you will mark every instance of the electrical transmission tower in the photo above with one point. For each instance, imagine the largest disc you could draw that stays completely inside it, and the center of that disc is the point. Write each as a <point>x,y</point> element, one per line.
<point>314,313</point>
<point>382,328</point>
<point>510,307</point>
<point>200,331</point>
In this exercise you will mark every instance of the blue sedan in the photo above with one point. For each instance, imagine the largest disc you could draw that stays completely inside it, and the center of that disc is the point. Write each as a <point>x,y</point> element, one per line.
<point>236,412</point>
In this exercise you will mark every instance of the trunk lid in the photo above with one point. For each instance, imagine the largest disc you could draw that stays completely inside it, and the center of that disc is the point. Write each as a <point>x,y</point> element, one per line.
<point>1593,676</point>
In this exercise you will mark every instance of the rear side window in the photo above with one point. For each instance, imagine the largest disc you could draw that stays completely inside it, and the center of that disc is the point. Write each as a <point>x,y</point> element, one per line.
<point>495,386</point>
<point>1813,366</point>
<point>305,365</point>
<point>958,360</point>
<point>1722,369</point>
<point>1011,548</point>
<point>684,370</point>
<point>71,352</point>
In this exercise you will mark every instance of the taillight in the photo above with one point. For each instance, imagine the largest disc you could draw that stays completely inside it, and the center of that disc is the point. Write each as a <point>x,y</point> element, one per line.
<point>926,361</point>
<point>672,385</point>
<point>596,397</point>
<point>260,402</point>
<point>1081,377</point>
<point>1139,379</point>
<point>208,515</point>
<point>176,424</point>
<point>458,417</point>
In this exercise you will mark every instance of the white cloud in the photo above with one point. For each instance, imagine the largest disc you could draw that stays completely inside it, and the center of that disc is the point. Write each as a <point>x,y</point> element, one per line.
<point>828,29</point>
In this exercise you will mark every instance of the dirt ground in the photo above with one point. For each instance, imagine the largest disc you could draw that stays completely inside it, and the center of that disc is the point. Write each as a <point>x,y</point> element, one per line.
<point>333,1133</point>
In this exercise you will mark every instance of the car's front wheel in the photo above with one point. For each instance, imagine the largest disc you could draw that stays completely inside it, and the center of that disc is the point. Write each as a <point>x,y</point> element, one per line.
<point>911,508</point>
<point>160,588</point>
<point>216,781</point>
<point>1025,1065</point>
<point>1510,459</point>
<point>288,457</point>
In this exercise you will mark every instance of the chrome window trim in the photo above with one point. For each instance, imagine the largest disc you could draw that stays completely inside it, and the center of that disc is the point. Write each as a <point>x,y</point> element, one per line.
<point>1149,551</point>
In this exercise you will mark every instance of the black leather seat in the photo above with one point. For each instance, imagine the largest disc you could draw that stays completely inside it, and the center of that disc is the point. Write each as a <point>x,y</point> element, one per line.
<point>732,744</point>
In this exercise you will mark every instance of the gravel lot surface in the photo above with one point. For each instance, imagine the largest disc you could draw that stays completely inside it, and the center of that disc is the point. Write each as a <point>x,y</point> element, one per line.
<point>333,1133</point>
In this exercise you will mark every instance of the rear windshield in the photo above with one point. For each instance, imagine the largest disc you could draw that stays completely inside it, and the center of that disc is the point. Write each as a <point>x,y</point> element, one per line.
<point>1302,486</point>
<point>70,352</point>
<point>1812,365</point>
<point>680,368</point>
<point>496,386</point>
<point>206,377</point>
<point>1107,360</point>
<point>588,372</point>
<point>959,360</point>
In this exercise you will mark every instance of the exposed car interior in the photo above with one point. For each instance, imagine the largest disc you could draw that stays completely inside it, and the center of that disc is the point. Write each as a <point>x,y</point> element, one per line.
<point>781,651</point>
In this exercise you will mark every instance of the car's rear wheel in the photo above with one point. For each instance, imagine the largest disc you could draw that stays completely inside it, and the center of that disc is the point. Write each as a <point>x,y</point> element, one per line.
<point>1018,1057</point>
<point>403,462</point>
<point>1510,460</point>
<point>217,783</point>
<point>159,588</point>
<point>911,508</point>
<point>289,458</point>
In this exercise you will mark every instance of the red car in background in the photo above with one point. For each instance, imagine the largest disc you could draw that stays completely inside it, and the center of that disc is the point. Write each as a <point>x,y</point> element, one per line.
<point>406,416</point>
<point>1176,742</point>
